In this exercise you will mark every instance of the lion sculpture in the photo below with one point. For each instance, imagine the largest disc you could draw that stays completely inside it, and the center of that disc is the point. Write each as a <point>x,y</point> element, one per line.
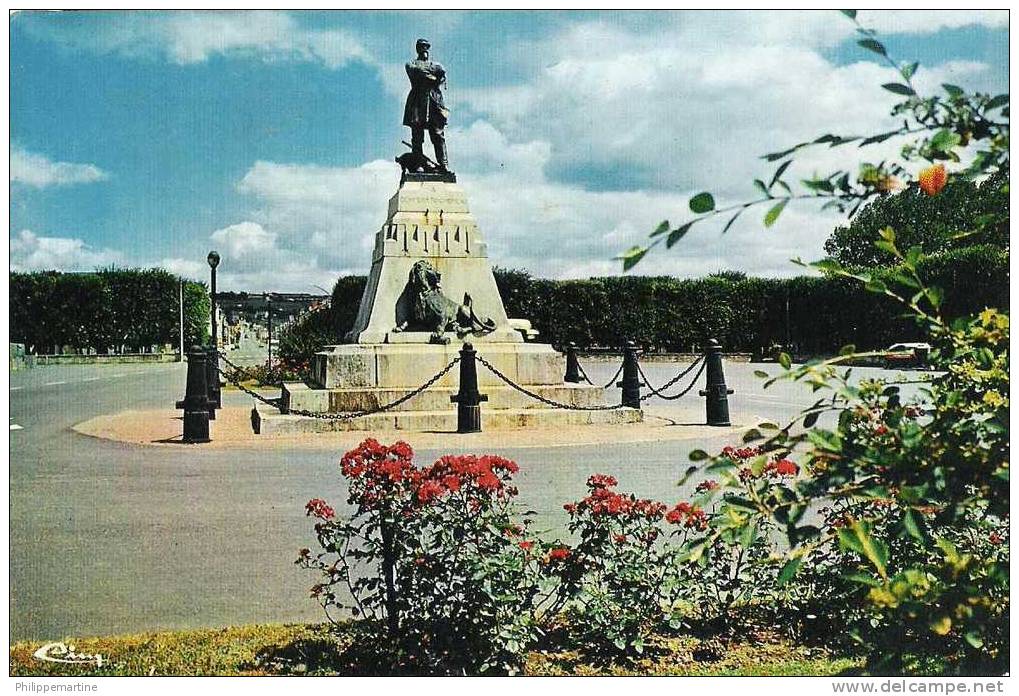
<point>433,311</point>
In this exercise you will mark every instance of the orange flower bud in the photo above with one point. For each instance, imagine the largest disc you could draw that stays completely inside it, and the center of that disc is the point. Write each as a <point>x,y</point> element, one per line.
<point>933,179</point>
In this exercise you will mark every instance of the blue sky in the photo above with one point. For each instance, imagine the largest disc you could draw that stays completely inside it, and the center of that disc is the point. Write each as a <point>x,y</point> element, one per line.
<point>149,138</point>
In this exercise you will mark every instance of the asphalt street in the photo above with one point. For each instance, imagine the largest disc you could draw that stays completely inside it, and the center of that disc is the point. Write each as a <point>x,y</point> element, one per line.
<point>110,538</point>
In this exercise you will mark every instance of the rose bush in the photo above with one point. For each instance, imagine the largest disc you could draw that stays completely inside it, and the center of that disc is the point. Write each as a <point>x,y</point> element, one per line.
<point>436,555</point>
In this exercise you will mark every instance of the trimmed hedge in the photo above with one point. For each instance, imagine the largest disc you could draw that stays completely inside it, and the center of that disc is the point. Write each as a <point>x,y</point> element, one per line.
<point>816,314</point>
<point>121,310</point>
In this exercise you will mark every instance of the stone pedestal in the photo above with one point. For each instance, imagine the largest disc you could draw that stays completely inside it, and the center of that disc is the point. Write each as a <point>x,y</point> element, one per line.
<point>430,220</point>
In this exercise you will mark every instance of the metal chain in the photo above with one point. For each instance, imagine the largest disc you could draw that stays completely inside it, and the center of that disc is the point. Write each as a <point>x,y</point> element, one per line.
<point>672,381</point>
<point>243,371</point>
<point>612,381</point>
<point>352,414</point>
<point>658,392</point>
<point>265,400</point>
<point>554,404</point>
<point>583,373</point>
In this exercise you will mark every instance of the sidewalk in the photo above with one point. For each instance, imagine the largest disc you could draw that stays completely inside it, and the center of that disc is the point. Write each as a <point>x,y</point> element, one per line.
<point>232,430</point>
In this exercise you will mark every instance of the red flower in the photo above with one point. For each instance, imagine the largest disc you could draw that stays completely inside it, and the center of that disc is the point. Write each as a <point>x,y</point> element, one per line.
<point>526,545</point>
<point>429,491</point>
<point>705,486</point>
<point>881,429</point>
<point>601,481</point>
<point>688,515</point>
<point>933,179</point>
<point>783,467</point>
<point>318,508</point>
<point>558,554</point>
<point>995,538</point>
<point>570,508</point>
<point>619,538</point>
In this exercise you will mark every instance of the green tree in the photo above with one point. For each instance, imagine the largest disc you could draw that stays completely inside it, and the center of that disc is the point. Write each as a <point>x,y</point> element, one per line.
<point>933,223</point>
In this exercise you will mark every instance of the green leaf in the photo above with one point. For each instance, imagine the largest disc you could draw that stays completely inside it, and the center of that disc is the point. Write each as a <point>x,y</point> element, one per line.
<point>944,140</point>
<point>698,455</point>
<point>789,570</point>
<point>872,45</point>
<point>974,639</point>
<point>762,187</point>
<point>780,171</point>
<point>677,234</point>
<point>811,419</point>
<point>747,535</point>
<point>996,102</point>
<point>898,88</point>
<point>875,285</point>
<point>863,579</point>
<point>762,374</point>
<point>741,503</point>
<point>772,215</point>
<point>935,296</point>
<point>909,70</point>
<point>732,220</point>
<point>785,360</point>
<point>662,228</point>
<point>631,257</point>
<point>848,349</point>
<point>953,91</point>
<point>859,539</point>
<point>849,13</point>
<point>702,203</point>
<point>910,523</point>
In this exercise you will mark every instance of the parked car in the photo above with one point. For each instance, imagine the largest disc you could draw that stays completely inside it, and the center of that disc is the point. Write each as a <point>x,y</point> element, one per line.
<point>907,355</point>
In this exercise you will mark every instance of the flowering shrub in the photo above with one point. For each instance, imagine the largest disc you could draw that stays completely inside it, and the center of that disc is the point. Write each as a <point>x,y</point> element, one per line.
<point>618,579</point>
<point>435,552</point>
<point>907,547</point>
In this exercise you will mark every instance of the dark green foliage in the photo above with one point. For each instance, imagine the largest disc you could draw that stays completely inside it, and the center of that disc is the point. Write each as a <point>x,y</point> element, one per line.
<point>744,313</point>
<point>112,309</point>
<point>931,222</point>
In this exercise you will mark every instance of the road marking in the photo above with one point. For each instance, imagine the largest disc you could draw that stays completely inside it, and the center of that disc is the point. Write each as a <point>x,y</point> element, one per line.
<point>53,384</point>
<point>16,388</point>
<point>15,426</point>
<point>92,379</point>
<point>119,374</point>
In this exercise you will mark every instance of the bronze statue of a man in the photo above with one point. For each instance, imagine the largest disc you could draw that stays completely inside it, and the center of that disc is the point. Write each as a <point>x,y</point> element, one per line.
<point>425,108</point>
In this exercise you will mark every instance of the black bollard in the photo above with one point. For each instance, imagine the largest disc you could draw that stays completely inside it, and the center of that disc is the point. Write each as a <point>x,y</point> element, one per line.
<point>572,366</point>
<point>196,398</point>
<point>468,399</point>
<point>212,380</point>
<point>631,379</point>
<point>715,391</point>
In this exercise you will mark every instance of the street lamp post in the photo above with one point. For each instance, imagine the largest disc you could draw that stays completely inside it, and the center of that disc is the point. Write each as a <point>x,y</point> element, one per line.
<point>213,260</point>
<point>269,303</point>
<point>215,396</point>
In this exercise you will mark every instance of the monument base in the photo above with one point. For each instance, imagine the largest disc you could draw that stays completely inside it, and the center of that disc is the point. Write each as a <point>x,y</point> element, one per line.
<point>409,365</point>
<point>269,422</point>
<point>360,377</point>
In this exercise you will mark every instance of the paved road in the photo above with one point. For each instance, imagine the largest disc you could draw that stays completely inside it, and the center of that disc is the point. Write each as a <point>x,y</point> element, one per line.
<point>109,537</point>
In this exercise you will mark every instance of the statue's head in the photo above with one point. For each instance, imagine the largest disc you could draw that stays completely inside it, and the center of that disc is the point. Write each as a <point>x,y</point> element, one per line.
<point>422,46</point>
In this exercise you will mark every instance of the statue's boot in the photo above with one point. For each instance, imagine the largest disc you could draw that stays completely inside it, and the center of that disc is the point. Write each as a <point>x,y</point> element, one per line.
<point>439,143</point>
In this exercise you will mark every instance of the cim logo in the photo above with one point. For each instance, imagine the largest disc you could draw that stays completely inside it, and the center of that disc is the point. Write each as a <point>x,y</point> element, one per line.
<point>66,654</point>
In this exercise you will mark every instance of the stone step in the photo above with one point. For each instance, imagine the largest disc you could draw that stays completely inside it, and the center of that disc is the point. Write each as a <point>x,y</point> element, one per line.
<point>270,422</point>
<point>299,396</point>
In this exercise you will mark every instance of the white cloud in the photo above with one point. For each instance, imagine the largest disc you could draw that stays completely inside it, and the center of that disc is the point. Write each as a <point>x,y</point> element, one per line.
<point>30,252</point>
<point>186,37</point>
<point>928,22</point>
<point>245,238</point>
<point>40,171</point>
<point>186,268</point>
